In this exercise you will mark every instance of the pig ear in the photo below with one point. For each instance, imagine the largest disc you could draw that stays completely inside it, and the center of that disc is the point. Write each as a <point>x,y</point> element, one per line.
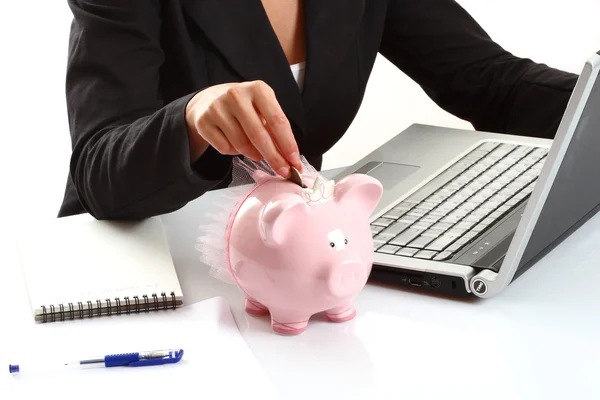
<point>277,219</point>
<point>359,191</point>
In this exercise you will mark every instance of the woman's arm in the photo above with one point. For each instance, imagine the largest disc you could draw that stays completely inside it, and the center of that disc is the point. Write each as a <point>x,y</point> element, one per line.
<point>439,45</point>
<point>132,154</point>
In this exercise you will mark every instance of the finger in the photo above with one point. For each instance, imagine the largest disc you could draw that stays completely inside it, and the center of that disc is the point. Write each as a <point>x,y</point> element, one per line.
<point>276,123</point>
<point>234,133</point>
<point>243,109</point>
<point>216,138</point>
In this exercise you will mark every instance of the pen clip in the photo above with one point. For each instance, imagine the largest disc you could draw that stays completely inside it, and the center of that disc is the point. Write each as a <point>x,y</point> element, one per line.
<point>172,358</point>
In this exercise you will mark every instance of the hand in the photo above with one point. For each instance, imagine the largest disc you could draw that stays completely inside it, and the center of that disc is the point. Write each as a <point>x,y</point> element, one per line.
<point>243,118</point>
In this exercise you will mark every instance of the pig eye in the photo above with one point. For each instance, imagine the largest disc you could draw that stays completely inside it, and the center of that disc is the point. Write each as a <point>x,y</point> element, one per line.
<point>331,244</point>
<point>345,241</point>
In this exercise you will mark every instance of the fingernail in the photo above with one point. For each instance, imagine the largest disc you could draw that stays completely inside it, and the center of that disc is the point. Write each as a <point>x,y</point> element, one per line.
<point>284,171</point>
<point>295,159</point>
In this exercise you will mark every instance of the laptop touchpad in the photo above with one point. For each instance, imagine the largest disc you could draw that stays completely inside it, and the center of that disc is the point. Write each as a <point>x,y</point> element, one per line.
<point>389,174</point>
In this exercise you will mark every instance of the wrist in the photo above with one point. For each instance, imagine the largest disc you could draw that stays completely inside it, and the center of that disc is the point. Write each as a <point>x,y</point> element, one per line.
<point>196,142</point>
<point>198,147</point>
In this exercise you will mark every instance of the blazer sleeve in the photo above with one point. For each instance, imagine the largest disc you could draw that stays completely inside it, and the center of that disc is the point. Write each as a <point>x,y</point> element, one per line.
<point>442,48</point>
<point>130,151</point>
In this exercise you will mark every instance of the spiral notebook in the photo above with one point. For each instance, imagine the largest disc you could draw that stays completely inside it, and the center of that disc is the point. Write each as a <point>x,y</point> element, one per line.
<point>79,267</point>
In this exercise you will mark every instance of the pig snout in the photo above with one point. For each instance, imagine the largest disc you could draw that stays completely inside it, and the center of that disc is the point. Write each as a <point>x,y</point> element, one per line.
<point>347,279</point>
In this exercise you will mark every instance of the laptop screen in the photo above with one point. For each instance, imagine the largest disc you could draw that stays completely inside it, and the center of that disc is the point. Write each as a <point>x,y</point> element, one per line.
<point>575,194</point>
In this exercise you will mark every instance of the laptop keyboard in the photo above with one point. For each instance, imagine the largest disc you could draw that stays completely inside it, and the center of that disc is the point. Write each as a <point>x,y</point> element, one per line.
<point>436,222</point>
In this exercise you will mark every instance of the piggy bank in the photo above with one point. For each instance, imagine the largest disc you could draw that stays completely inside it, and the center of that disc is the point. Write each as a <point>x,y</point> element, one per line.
<point>297,251</point>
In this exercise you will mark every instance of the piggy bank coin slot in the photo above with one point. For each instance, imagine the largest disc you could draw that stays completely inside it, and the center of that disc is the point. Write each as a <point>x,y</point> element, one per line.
<point>296,177</point>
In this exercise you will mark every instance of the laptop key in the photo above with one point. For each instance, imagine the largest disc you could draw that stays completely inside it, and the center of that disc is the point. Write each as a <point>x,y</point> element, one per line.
<point>472,219</point>
<point>441,243</point>
<point>406,237</point>
<point>528,189</point>
<point>478,228</point>
<point>488,221</point>
<point>441,226</point>
<point>443,256</point>
<point>522,150</point>
<point>381,239</point>
<point>454,247</point>
<point>385,222</point>
<point>395,229</point>
<point>394,213</point>
<point>444,208</point>
<point>430,219</point>
<point>411,201</point>
<point>463,240</point>
<point>436,199</point>
<point>503,209</point>
<point>421,225</point>
<point>460,213</point>
<point>388,249</point>
<point>429,205</point>
<point>420,242</point>
<point>470,235</point>
<point>464,225</point>
<point>488,146</point>
<point>417,212</point>
<point>432,234</point>
<point>407,219</point>
<point>407,252</point>
<point>388,235</point>
<point>478,153</point>
<point>455,231</point>
<point>376,229</point>
<point>451,219</point>
<point>425,254</point>
<point>539,152</point>
<point>404,206</point>
<point>399,212</point>
<point>438,213</point>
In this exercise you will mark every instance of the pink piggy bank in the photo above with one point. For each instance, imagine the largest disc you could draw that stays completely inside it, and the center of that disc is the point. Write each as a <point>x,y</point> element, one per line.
<point>295,252</point>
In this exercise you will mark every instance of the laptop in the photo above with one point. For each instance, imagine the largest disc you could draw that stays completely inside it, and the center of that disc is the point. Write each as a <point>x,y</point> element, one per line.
<point>466,213</point>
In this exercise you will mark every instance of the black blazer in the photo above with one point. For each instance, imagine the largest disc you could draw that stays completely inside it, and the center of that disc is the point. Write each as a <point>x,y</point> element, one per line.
<point>133,66</point>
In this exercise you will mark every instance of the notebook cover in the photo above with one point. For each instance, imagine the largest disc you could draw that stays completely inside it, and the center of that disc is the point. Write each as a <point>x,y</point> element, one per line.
<point>79,267</point>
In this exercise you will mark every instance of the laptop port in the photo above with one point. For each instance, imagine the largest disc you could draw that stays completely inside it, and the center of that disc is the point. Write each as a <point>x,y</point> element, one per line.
<point>435,282</point>
<point>415,282</point>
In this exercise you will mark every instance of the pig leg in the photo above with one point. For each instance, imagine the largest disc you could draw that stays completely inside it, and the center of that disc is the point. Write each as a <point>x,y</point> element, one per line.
<point>255,308</point>
<point>288,323</point>
<point>343,313</point>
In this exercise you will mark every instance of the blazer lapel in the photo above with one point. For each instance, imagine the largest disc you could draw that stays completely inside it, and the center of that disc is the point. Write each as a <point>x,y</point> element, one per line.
<point>331,29</point>
<point>242,33</point>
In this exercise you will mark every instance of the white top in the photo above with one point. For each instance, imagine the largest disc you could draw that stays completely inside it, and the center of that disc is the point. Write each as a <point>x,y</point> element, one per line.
<point>298,72</point>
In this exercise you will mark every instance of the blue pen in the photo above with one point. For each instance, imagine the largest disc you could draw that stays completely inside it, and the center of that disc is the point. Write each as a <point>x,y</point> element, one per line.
<point>139,359</point>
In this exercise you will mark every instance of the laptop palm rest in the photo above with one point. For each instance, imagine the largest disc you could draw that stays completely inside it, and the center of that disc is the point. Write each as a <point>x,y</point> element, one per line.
<point>389,174</point>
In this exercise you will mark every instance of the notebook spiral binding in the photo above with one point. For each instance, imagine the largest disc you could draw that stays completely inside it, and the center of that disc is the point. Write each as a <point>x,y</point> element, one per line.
<point>54,313</point>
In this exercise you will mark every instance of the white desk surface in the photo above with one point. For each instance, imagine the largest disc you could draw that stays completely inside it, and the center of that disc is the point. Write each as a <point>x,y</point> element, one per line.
<point>537,340</point>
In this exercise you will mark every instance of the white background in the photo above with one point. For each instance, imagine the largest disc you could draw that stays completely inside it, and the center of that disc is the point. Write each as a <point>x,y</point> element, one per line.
<point>35,145</point>
<point>34,157</point>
